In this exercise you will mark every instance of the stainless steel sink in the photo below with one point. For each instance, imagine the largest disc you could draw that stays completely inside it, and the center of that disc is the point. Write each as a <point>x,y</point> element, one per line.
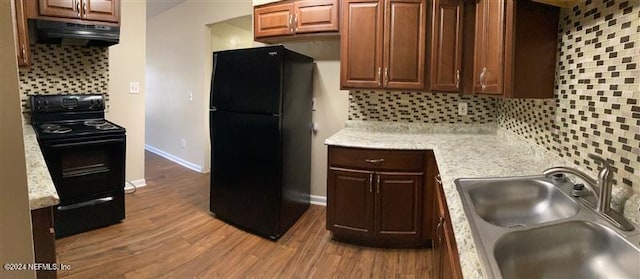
<point>581,249</point>
<point>530,227</point>
<point>520,202</point>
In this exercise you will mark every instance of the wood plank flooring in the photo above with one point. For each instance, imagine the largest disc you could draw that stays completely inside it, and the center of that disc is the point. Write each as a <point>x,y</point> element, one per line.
<point>169,233</point>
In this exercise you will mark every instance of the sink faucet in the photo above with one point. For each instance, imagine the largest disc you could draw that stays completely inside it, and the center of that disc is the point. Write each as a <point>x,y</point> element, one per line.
<point>601,189</point>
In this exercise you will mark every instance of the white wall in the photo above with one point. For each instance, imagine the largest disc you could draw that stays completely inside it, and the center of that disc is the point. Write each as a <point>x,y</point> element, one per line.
<point>126,64</point>
<point>230,34</point>
<point>174,68</point>
<point>178,62</point>
<point>16,245</point>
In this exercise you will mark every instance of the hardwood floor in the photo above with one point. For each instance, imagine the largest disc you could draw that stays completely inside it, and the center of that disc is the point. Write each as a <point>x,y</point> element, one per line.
<point>169,233</point>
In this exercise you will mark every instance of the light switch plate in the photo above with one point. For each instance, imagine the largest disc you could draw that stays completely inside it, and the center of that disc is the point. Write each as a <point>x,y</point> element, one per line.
<point>134,87</point>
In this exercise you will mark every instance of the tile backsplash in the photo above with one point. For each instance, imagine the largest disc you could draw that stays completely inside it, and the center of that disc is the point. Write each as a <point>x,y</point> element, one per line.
<point>57,69</point>
<point>419,107</point>
<point>596,108</point>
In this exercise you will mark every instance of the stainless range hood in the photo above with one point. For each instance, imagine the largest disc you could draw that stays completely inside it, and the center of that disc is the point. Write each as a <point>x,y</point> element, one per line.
<point>64,33</point>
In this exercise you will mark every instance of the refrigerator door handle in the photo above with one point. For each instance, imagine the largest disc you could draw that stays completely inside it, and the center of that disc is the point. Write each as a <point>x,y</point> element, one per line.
<point>213,109</point>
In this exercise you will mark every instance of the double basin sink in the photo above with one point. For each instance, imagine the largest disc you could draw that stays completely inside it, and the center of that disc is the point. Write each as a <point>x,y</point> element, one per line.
<point>530,227</point>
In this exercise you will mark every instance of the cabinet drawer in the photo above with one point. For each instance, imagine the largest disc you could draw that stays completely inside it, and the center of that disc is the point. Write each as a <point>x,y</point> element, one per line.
<point>375,159</point>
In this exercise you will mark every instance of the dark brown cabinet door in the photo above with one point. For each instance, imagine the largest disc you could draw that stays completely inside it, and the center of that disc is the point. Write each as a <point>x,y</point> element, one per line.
<point>101,10</point>
<point>21,34</point>
<point>350,202</point>
<point>273,20</point>
<point>446,262</point>
<point>446,45</point>
<point>44,247</point>
<point>489,47</point>
<point>60,8</point>
<point>361,44</point>
<point>404,44</point>
<point>316,16</point>
<point>398,206</point>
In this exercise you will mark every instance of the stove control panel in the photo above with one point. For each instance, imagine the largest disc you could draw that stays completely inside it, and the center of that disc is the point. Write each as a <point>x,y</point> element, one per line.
<point>62,103</point>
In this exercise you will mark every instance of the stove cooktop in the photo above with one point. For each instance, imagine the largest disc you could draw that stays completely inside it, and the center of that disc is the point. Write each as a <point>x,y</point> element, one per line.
<point>76,128</point>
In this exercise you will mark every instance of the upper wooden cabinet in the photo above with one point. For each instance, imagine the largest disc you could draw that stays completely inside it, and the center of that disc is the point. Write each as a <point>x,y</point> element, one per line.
<point>515,58</point>
<point>287,20</point>
<point>21,34</point>
<point>91,10</point>
<point>383,44</point>
<point>446,46</point>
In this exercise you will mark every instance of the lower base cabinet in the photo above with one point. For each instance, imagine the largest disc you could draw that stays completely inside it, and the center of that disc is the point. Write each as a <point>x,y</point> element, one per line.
<point>380,197</point>
<point>44,246</point>
<point>446,262</point>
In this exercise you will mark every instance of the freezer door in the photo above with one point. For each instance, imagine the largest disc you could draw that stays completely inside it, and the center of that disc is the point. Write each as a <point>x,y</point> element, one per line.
<point>246,171</point>
<point>247,80</point>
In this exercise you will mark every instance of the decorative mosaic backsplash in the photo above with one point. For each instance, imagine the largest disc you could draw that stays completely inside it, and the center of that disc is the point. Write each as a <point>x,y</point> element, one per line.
<point>419,107</point>
<point>596,107</point>
<point>59,69</point>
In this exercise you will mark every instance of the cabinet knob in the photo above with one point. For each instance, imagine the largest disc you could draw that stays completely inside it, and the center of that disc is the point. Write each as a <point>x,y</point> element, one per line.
<point>52,231</point>
<point>438,179</point>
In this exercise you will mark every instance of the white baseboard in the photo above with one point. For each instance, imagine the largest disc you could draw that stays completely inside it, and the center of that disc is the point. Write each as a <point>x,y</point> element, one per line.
<point>138,183</point>
<point>175,159</point>
<point>318,200</point>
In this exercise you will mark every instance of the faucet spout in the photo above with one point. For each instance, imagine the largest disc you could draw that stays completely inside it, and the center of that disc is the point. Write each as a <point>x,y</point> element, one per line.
<point>601,189</point>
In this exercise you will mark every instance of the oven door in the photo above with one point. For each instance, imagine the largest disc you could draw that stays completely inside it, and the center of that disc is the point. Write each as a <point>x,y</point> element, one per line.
<point>83,169</point>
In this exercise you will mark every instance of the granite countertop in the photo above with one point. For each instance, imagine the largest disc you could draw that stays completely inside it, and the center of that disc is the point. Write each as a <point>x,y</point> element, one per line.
<point>461,151</point>
<point>42,192</point>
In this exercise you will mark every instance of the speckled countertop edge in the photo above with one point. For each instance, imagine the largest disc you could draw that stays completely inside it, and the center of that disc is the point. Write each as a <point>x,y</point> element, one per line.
<point>42,192</point>
<point>461,150</point>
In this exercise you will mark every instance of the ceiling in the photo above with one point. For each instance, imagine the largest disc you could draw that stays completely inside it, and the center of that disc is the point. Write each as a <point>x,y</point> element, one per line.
<point>155,7</point>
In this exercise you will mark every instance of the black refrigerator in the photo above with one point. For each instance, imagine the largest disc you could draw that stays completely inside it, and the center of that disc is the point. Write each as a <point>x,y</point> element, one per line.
<point>260,131</point>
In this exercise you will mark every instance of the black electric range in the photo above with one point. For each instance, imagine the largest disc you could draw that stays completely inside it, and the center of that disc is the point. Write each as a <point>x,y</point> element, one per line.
<point>85,154</point>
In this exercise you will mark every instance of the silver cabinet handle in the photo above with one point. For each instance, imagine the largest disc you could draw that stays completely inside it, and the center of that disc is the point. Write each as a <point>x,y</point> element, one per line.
<point>371,183</point>
<point>483,76</point>
<point>374,161</point>
<point>378,184</point>
<point>379,76</point>
<point>24,53</point>
<point>458,79</point>
<point>438,179</point>
<point>84,7</point>
<point>295,22</point>
<point>78,7</point>
<point>386,76</point>
<point>291,22</point>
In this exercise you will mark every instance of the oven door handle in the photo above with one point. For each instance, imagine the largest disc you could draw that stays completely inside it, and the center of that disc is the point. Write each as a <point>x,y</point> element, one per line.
<point>83,204</point>
<point>59,145</point>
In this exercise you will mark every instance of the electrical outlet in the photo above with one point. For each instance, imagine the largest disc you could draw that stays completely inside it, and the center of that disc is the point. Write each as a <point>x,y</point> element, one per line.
<point>134,87</point>
<point>183,143</point>
<point>314,104</point>
<point>463,109</point>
